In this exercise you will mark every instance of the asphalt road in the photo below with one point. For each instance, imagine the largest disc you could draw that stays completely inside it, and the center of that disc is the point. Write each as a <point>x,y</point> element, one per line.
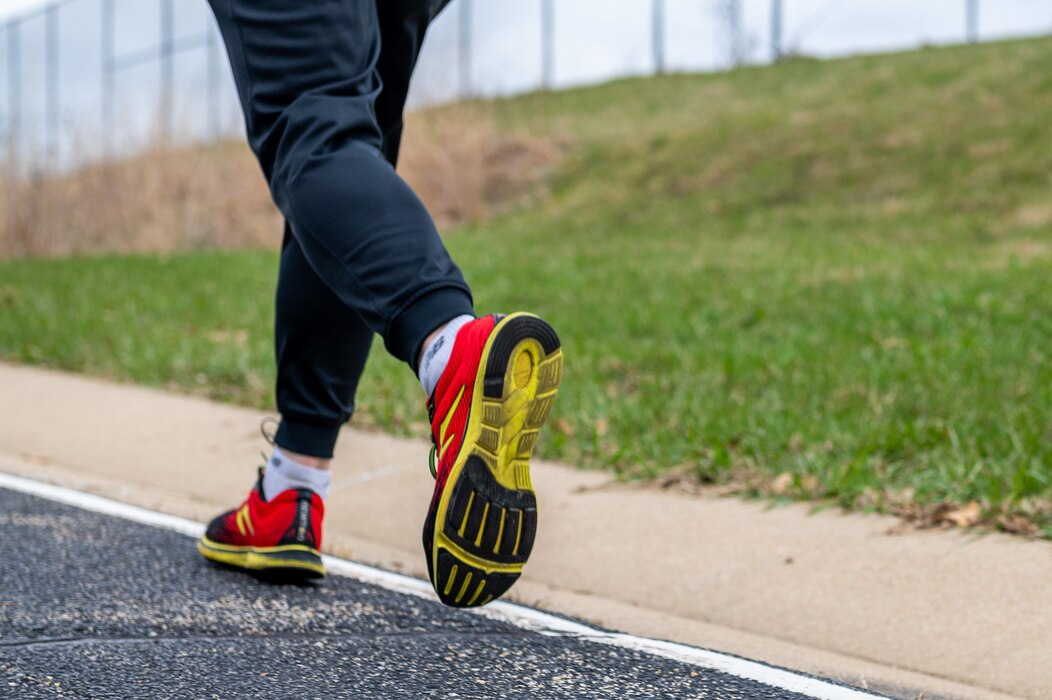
<point>92,606</point>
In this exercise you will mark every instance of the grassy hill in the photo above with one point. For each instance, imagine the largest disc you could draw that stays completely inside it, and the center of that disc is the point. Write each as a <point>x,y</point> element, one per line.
<point>826,280</point>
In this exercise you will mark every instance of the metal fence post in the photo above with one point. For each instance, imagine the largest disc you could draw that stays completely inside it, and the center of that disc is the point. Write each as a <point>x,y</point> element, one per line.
<point>51,78</point>
<point>658,35</point>
<point>109,93</point>
<point>213,84</point>
<point>776,30</point>
<point>167,101</point>
<point>972,20</point>
<point>14,93</point>
<point>734,31</point>
<point>464,48</point>
<point>547,44</point>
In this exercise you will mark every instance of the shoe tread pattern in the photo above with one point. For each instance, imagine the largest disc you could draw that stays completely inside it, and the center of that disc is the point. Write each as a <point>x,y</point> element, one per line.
<point>492,520</point>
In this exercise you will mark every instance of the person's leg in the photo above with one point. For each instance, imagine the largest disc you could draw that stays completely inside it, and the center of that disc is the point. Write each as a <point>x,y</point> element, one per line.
<point>315,390</point>
<point>403,25</point>
<point>490,383</point>
<point>308,79</point>
<point>321,346</point>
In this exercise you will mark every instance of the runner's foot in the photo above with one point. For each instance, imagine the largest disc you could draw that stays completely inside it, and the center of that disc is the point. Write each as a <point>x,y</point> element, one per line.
<point>486,413</point>
<point>280,536</point>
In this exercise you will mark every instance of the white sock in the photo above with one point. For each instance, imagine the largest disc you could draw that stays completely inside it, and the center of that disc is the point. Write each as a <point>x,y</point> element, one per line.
<point>437,352</point>
<point>282,474</point>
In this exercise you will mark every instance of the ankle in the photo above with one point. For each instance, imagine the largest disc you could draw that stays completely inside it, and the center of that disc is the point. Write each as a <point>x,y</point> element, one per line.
<point>284,471</point>
<point>308,461</point>
<point>436,351</point>
<point>426,344</point>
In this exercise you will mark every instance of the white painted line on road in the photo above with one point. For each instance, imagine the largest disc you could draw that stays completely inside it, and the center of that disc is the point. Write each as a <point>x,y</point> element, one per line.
<point>517,615</point>
<point>98,504</point>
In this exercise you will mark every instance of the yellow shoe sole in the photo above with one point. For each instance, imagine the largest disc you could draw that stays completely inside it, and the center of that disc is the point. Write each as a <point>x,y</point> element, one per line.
<point>294,560</point>
<point>486,518</point>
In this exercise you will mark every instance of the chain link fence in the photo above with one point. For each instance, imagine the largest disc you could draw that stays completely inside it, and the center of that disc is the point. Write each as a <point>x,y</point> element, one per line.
<point>82,80</point>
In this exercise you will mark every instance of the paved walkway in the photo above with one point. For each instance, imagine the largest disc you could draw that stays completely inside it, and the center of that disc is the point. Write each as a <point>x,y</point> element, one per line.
<point>133,611</point>
<point>954,615</point>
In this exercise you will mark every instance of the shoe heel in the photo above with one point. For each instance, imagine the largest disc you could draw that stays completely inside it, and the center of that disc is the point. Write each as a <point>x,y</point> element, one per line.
<point>491,517</point>
<point>522,376</point>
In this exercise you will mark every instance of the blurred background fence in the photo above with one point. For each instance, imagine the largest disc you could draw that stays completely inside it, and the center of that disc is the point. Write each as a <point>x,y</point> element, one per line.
<point>88,79</point>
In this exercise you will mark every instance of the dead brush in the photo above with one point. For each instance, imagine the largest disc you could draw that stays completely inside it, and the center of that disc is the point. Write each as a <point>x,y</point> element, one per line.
<point>465,168</point>
<point>213,196</point>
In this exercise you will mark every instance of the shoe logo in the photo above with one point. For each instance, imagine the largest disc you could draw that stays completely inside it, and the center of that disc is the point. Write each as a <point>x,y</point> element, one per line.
<point>433,350</point>
<point>243,521</point>
<point>443,440</point>
<point>445,445</point>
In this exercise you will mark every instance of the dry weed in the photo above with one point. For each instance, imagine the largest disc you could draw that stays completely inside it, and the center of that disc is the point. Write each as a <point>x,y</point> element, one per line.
<point>214,196</point>
<point>465,169</point>
<point>161,200</point>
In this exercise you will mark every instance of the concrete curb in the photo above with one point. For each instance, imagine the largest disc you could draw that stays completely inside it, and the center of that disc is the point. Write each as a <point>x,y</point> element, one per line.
<point>950,614</point>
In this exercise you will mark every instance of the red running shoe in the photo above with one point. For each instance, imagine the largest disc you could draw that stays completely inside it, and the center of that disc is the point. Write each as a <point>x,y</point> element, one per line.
<point>281,536</point>
<point>486,413</point>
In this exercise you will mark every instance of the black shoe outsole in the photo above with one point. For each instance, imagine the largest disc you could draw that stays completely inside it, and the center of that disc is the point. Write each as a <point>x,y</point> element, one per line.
<point>493,526</point>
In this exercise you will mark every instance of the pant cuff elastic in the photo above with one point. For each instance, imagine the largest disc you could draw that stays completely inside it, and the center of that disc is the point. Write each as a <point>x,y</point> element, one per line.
<point>407,332</point>
<point>307,437</point>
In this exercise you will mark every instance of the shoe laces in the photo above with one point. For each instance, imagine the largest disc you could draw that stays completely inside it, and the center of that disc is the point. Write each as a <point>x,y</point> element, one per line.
<point>268,435</point>
<point>268,428</point>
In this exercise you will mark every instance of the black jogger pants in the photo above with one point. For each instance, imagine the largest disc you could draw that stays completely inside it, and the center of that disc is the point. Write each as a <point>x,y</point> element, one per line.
<point>323,85</point>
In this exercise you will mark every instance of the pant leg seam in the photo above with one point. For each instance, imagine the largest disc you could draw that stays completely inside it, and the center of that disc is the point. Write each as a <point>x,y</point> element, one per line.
<point>249,82</point>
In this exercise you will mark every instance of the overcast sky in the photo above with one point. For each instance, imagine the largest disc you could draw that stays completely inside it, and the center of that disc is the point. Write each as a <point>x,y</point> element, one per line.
<point>830,24</point>
<point>594,40</point>
<point>9,7</point>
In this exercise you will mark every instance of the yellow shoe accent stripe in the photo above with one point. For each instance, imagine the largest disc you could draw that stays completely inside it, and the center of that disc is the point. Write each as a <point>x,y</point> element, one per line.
<point>518,535</point>
<point>442,440</point>
<point>259,558</point>
<point>464,587</point>
<point>482,526</point>
<point>219,547</point>
<point>450,580</point>
<point>500,531</point>
<point>248,520</point>
<point>478,591</point>
<point>445,446</point>
<point>467,512</point>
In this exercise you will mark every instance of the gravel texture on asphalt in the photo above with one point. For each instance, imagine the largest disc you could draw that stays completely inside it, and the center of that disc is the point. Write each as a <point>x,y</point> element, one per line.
<point>92,606</point>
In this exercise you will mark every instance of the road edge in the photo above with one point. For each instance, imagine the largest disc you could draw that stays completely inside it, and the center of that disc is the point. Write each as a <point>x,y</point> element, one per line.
<point>510,613</point>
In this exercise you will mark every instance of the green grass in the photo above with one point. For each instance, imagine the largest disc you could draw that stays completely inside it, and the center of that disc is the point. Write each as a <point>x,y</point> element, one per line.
<point>836,270</point>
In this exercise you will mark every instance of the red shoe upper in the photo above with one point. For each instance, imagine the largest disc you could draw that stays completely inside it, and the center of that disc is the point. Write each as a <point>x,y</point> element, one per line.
<point>292,517</point>
<point>448,407</point>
